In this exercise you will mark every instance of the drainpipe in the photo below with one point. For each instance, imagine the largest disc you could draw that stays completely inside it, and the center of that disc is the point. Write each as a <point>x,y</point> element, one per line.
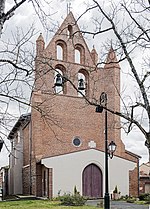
<point>30,157</point>
<point>138,178</point>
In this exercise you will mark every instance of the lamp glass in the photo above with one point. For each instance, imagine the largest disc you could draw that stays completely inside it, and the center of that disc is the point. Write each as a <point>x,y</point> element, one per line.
<point>112,146</point>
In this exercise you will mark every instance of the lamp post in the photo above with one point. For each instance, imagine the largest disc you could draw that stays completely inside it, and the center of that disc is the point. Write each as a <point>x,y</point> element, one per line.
<point>109,149</point>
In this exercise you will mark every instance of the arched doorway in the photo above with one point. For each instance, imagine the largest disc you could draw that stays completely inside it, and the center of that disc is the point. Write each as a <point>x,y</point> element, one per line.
<point>92,182</point>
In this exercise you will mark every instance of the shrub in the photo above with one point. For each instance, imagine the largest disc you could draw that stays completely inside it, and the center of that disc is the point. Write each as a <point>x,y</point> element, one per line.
<point>145,197</point>
<point>72,200</point>
<point>131,199</point>
<point>124,197</point>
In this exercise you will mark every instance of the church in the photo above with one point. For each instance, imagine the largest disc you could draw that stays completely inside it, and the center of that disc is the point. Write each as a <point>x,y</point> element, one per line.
<point>61,143</point>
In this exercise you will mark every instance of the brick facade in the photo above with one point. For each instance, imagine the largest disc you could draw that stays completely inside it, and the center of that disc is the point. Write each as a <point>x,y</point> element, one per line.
<point>144,186</point>
<point>133,183</point>
<point>57,118</point>
<point>26,180</point>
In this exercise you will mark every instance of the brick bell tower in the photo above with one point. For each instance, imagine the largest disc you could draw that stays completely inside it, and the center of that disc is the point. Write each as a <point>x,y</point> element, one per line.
<point>63,121</point>
<point>67,54</point>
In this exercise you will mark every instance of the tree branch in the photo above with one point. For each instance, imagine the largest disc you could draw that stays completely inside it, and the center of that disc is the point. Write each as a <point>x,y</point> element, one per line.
<point>16,66</point>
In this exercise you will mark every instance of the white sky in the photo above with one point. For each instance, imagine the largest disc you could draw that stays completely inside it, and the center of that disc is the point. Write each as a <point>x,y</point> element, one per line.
<point>25,16</point>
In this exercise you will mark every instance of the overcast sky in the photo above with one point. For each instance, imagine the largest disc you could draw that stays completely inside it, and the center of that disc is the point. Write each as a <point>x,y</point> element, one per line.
<point>25,16</point>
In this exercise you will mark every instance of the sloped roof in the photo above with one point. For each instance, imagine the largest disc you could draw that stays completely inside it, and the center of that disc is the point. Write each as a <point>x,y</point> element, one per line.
<point>23,119</point>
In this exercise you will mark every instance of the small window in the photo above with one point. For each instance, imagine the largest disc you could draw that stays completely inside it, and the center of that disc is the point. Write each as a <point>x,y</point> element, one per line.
<point>69,31</point>
<point>76,141</point>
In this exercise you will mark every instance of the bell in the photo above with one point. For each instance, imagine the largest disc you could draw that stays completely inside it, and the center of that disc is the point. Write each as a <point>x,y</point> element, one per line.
<point>58,80</point>
<point>81,85</point>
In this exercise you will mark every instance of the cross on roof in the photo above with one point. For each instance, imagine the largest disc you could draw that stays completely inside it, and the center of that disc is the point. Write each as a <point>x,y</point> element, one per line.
<point>68,6</point>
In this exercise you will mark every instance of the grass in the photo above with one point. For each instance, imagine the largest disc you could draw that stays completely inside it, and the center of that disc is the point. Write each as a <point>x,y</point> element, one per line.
<point>39,204</point>
<point>142,202</point>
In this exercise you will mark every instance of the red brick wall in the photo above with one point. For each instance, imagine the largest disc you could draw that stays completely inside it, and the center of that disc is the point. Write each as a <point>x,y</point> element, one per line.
<point>133,183</point>
<point>26,180</point>
<point>50,195</point>
<point>143,181</point>
<point>62,117</point>
<point>39,180</point>
<point>68,115</point>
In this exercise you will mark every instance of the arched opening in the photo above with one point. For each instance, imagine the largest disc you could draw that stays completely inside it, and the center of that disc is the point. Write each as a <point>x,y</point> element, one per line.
<point>83,82</point>
<point>59,74</point>
<point>61,50</point>
<point>79,54</point>
<point>92,181</point>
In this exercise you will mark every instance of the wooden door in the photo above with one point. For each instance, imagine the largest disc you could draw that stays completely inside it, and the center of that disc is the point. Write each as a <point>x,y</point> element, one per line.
<point>92,181</point>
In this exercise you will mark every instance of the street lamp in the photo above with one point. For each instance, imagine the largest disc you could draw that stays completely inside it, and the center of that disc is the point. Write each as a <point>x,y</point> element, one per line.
<point>109,149</point>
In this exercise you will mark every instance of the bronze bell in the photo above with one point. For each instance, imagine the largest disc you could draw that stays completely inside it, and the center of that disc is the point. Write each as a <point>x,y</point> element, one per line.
<point>81,84</point>
<point>58,80</point>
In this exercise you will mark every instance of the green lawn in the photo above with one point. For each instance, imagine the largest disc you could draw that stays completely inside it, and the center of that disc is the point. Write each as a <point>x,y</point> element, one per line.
<point>38,204</point>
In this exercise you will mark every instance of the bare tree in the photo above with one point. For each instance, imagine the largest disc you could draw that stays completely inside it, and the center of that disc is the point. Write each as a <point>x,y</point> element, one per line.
<point>126,26</point>
<point>36,4</point>
<point>16,67</point>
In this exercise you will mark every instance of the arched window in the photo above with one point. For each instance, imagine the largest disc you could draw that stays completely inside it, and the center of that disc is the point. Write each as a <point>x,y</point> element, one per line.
<point>59,83</point>
<point>82,82</point>
<point>69,31</point>
<point>61,50</point>
<point>79,54</point>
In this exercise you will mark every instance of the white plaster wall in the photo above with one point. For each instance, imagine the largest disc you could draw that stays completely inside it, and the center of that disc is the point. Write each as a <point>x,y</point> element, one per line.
<point>119,174</point>
<point>67,170</point>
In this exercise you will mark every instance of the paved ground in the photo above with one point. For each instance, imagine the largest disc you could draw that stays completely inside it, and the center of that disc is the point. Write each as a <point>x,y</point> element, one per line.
<point>125,205</point>
<point>119,205</point>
